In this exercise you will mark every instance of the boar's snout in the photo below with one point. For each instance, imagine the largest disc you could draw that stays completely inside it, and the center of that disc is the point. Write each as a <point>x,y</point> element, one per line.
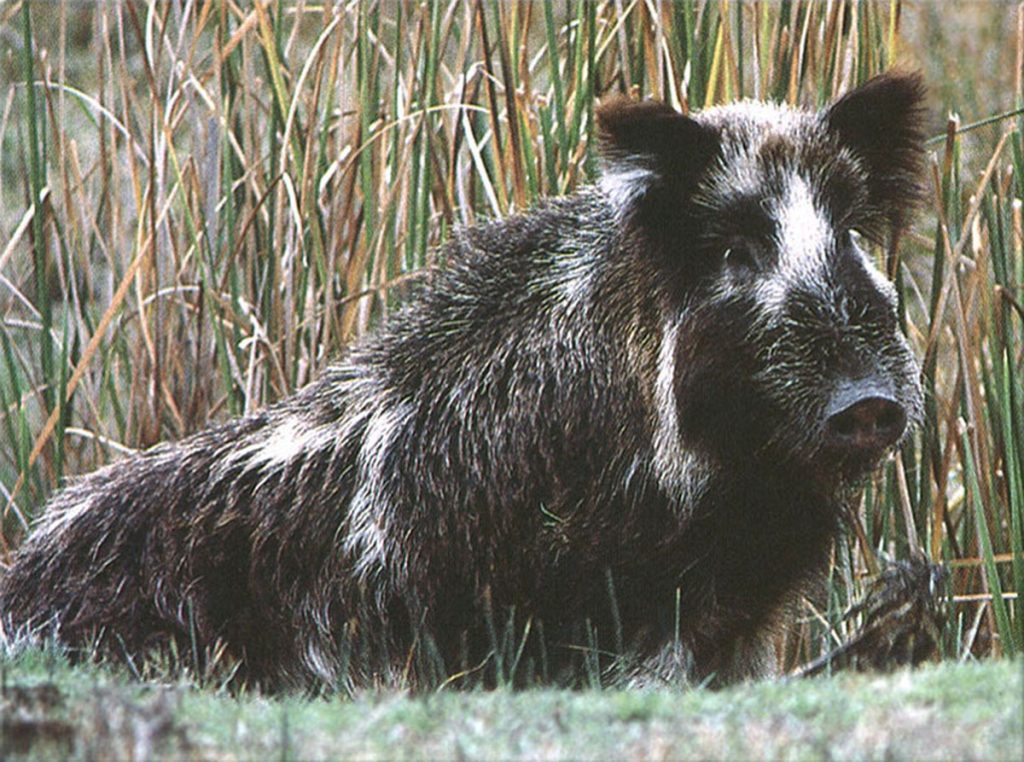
<point>863,420</point>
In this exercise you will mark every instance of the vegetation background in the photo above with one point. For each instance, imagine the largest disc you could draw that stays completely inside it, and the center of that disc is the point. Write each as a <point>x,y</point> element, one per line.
<point>203,201</point>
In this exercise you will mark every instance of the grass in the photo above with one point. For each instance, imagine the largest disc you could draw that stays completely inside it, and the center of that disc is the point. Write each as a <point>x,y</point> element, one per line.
<point>949,711</point>
<point>202,203</point>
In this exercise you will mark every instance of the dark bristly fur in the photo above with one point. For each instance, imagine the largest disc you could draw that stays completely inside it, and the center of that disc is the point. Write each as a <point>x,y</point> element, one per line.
<point>619,417</point>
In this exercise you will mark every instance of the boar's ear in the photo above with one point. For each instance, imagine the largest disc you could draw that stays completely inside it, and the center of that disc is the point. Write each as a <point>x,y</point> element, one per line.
<point>882,122</point>
<point>652,154</point>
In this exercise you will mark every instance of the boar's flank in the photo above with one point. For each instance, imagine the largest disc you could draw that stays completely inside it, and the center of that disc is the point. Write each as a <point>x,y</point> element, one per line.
<point>626,419</point>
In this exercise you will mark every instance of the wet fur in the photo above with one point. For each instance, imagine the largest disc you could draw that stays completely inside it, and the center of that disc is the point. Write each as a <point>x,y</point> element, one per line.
<point>591,417</point>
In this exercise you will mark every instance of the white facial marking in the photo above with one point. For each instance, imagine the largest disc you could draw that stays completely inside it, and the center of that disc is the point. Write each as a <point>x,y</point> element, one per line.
<point>804,240</point>
<point>805,233</point>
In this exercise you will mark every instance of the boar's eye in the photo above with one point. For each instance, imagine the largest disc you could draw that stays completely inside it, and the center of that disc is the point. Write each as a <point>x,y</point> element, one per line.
<point>741,255</point>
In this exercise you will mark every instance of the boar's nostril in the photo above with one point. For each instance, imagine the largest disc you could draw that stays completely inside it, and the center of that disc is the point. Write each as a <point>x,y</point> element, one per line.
<point>870,423</point>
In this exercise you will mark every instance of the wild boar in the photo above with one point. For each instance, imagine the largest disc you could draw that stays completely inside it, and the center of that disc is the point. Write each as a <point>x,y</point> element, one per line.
<point>628,418</point>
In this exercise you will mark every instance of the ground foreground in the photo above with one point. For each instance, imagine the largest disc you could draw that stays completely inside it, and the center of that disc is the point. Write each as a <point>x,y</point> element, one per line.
<point>971,711</point>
